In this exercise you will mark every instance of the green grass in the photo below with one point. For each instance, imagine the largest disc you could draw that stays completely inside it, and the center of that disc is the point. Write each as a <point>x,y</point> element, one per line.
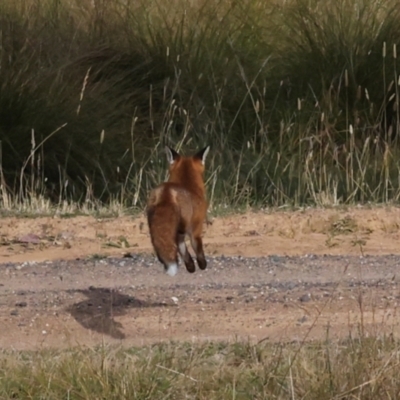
<point>296,99</point>
<point>353,369</point>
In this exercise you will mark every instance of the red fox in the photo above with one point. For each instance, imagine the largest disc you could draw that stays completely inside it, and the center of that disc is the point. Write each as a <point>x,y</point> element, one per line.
<point>177,208</point>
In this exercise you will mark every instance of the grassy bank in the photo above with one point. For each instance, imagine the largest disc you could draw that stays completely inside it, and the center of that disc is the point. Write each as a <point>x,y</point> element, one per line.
<point>355,369</point>
<point>297,99</point>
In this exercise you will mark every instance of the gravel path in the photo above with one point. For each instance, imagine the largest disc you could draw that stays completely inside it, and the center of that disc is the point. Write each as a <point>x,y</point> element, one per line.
<point>131,301</point>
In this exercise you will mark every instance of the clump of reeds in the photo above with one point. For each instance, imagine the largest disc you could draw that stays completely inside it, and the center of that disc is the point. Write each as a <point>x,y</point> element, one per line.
<point>298,99</point>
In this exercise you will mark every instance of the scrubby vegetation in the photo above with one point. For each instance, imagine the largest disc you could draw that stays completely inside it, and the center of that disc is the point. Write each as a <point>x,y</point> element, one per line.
<point>298,98</point>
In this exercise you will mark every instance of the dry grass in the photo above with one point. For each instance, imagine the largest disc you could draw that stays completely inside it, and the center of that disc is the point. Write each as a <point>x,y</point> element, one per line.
<point>364,368</point>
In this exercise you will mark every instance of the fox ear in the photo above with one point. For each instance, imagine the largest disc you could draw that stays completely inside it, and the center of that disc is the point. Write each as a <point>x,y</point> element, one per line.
<point>202,154</point>
<point>172,155</point>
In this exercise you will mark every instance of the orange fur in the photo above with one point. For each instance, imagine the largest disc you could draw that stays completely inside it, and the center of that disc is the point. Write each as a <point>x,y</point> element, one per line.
<point>177,208</point>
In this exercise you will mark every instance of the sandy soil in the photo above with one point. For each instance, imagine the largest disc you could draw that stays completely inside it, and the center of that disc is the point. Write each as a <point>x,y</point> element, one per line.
<point>278,276</point>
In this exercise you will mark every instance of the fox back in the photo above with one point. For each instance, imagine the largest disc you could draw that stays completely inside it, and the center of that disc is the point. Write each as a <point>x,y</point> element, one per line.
<point>177,208</point>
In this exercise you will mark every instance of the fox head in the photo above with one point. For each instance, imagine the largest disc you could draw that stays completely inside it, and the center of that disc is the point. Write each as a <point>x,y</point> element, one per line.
<point>187,171</point>
<point>184,168</point>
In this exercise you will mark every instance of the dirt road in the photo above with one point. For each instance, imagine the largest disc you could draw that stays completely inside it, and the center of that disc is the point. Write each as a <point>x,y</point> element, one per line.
<point>278,277</point>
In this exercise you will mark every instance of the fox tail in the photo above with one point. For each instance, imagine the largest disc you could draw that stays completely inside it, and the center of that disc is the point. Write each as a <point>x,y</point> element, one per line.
<point>163,225</point>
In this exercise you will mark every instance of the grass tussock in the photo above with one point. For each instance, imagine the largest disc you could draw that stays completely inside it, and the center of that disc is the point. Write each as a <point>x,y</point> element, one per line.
<point>298,99</point>
<point>355,369</point>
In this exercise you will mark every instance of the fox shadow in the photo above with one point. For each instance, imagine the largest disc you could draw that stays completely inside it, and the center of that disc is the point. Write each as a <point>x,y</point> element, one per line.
<point>102,305</point>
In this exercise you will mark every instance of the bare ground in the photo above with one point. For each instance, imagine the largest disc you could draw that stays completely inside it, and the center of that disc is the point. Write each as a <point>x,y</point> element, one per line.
<point>278,276</point>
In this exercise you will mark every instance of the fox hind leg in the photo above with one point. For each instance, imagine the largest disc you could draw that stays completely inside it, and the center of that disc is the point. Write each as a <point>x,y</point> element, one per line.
<point>197,244</point>
<point>183,251</point>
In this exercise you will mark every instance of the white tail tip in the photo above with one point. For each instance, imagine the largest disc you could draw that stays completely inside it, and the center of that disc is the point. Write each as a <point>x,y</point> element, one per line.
<point>172,269</point>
